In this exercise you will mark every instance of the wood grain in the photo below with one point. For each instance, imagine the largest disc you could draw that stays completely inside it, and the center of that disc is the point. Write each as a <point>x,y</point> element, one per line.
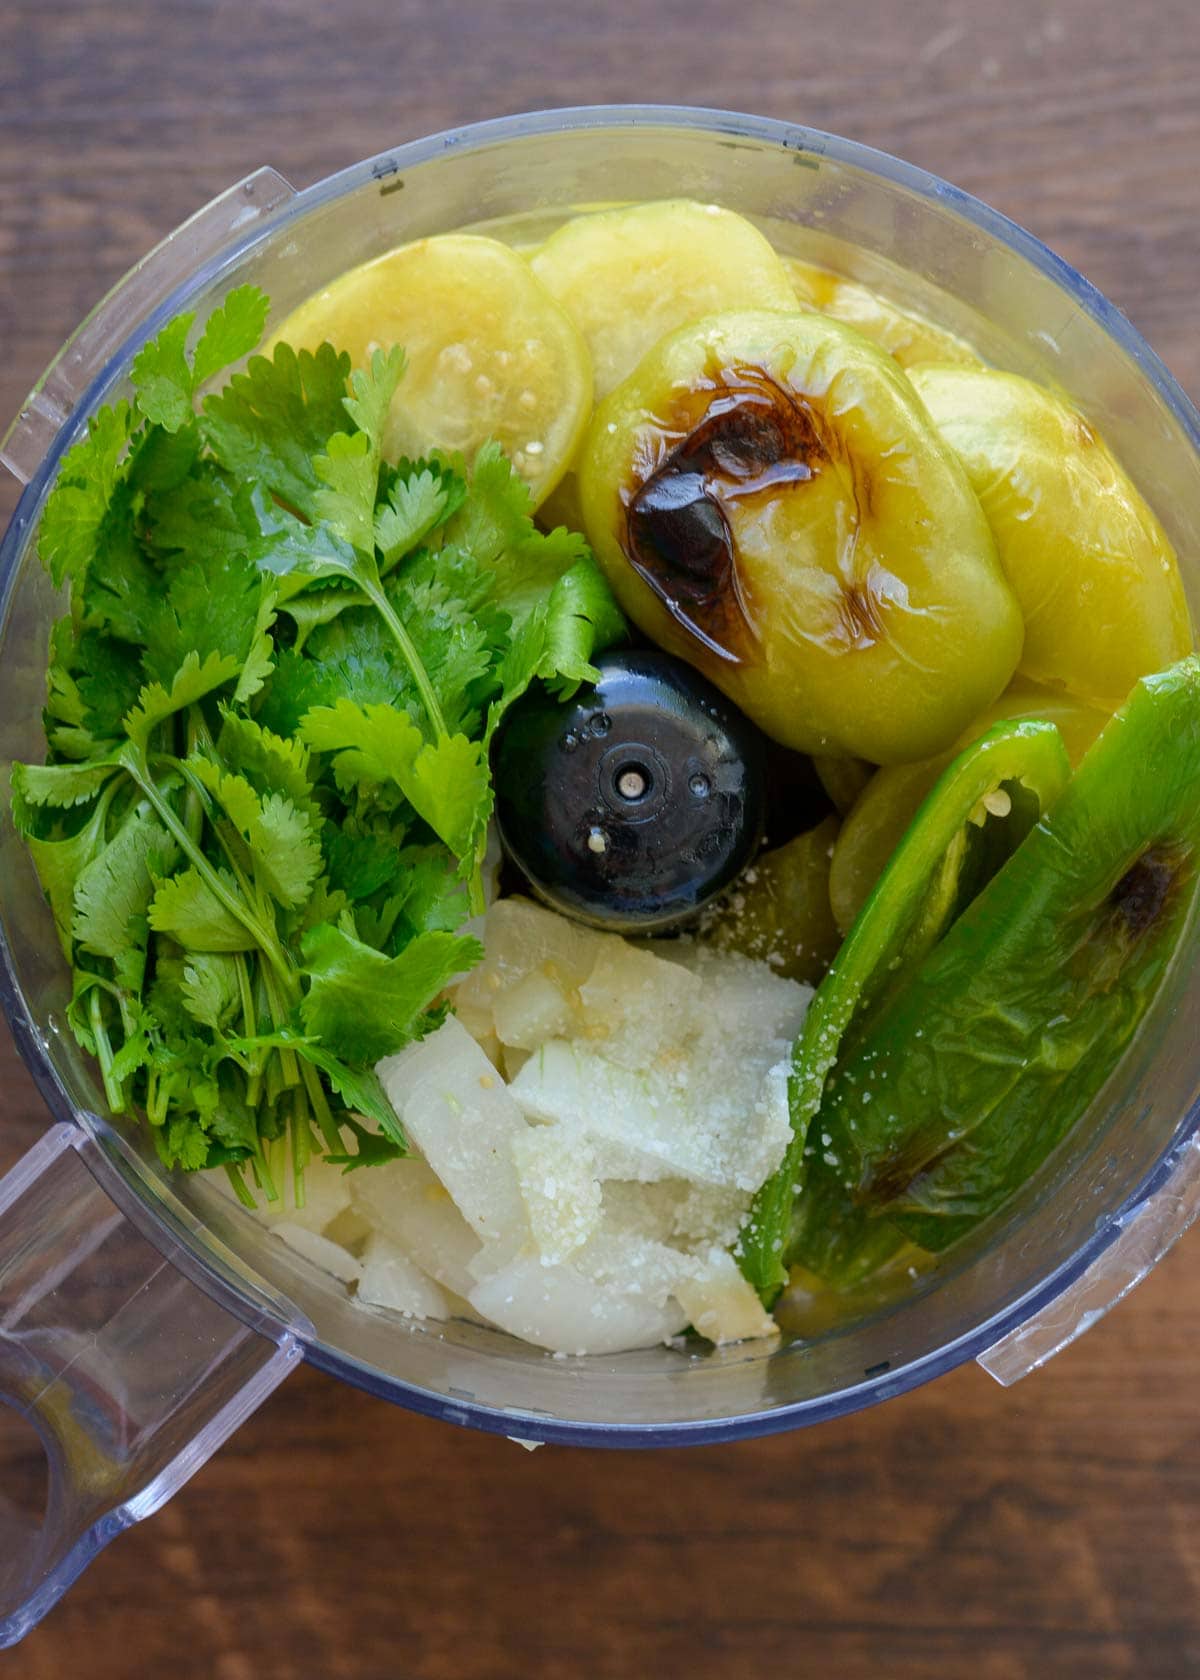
<point>1052,1530</point>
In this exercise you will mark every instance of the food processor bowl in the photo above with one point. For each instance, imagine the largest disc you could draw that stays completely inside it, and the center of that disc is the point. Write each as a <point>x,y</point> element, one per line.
<point>143,1315</point>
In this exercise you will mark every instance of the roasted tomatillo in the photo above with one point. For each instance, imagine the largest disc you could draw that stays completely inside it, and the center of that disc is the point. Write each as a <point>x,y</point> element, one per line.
<point>770,501</point>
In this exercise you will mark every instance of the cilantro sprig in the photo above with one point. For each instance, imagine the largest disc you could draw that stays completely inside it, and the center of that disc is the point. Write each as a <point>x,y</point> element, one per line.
<point>262,816</point>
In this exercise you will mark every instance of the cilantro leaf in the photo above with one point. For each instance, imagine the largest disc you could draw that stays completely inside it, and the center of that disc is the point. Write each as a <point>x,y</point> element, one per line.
<point>372,390</point>
<point>431,896</point>
<point>556,641</point>
<point>109,680</point>
<point>121,589</point>
<point>358,663</point>
<point>299,555</point>
<point>376,924</point>
<point>449,785</point>
<point>134,1053</point>
<point>497,514</point>
<point>231,332</point>
<point>205,514</point>
<point>112,892</point>
<point>61,861</point>
<point>355,657</point>
<point>160,460</point>
<point>233,1126</point>
<point>164,995</point>
<point>533,566</point>
<point>285,851</point>
<point>186,907</point>
<point>192,681</point>
<point>209,988</point>
<point>326,904</point>
<point>219,606</point>
<point>349,472</point>
<point>166,380</point>
<point>446,781</point>
<point>182,1143</point>
<point>272,763</point>
<point>162,376</point>
<point>582,618</point>
<point>349,468</point>
<point>270,422</point>
<point>77,506</point>
<point>260,658</point>
<point>369,1005</point>
<point>64,702</point>
<point>373,1150</point>
<point>372,743</point>
<point>361,861</point>
<point>416,503</point>
<point>60,785</point>
<point>495,524</point>
<point>314,608</point>
<point>443,599</point>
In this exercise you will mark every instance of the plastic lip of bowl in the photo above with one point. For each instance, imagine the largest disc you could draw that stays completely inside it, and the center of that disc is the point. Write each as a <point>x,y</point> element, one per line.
<point>476,136</point>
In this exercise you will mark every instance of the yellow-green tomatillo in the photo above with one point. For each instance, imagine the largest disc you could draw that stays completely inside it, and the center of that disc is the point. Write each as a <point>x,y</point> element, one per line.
<point>770,502</point>
<point>1091,566</point>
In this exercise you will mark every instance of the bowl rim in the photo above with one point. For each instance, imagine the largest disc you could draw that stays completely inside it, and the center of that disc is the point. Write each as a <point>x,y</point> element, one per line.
<point>167,1217</point>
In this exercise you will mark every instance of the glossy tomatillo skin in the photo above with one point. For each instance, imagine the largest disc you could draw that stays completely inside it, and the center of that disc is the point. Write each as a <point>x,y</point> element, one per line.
<point>628,277</point>
<point>909,339</point>
<point>857,605</point>
<point>1096,577</point>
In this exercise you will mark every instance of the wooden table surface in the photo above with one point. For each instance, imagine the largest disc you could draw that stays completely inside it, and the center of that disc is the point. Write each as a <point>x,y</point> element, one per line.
<point>1052,1530</point>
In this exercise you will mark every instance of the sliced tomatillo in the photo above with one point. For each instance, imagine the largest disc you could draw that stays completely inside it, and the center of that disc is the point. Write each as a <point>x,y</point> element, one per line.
<point>1016,770</point>
<point>491,356</point>
<point>978,1067</point>
<point>627,277</point>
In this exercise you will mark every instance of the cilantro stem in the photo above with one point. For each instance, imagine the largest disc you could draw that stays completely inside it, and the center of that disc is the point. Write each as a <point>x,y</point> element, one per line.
<point>120,998</point>
<point>263,1173</point>
<point>274,1162</point>
<point>158,1098</point>
<point>250,1028</point>
<point>274,1079</point>
<point>301,1146</point>
<point>128,1019</point>
<point>316,1096</point>
<point>132,760</point>
<point>113,1091</point>
<point>289,1065</point>
<point>429,699</point>
<point>222,828</point>
<point>193,806</point>
<point>240,1189</point>
<point>475,895</point>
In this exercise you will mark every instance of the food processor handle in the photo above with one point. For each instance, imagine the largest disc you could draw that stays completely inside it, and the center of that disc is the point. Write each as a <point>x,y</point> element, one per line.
<point>119,1376</point>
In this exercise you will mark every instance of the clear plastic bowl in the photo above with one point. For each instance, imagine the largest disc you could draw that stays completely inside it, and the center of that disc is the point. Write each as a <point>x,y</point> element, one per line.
<point>141,1317</point>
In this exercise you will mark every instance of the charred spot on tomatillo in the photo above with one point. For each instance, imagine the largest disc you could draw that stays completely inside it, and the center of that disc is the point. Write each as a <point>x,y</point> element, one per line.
<point>842,586</point>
